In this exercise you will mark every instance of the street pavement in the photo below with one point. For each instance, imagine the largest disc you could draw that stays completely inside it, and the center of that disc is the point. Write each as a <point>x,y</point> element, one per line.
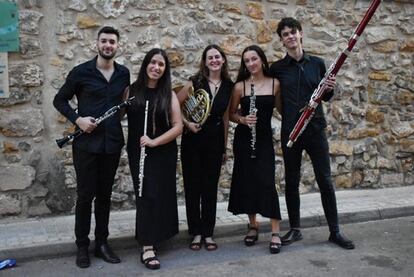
<point>383,249</point>
<point>51,237</point>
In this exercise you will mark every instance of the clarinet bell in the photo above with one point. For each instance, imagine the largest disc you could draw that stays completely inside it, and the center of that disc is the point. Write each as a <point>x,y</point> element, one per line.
<point>61,142</point>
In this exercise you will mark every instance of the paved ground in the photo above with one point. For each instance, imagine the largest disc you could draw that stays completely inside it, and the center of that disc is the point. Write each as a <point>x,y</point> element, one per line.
<point>53,237</point>
<point>383,248</point>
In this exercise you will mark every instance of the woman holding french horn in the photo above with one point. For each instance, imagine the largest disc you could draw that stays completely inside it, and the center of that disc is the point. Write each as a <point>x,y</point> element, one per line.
<point>253,182</point>
<point>152,153</point>
<point>206,97</point>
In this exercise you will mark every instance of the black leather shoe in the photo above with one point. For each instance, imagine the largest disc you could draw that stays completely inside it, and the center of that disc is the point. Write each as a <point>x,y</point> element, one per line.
<point>291,236</point>
<point>341,240</point>
<point>105,252</point>
<point>82,257</point>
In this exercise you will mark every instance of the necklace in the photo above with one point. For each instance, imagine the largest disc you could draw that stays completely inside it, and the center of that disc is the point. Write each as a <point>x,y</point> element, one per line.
<point>216,85</point>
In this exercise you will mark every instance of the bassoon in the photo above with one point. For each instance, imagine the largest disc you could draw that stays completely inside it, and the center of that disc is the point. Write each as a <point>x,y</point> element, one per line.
<point>319,92</point>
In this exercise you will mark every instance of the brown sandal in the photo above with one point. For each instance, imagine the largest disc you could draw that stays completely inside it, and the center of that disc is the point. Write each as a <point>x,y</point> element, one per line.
<point>147,261</point>
<point>211,245</point>
<point>195,245</point>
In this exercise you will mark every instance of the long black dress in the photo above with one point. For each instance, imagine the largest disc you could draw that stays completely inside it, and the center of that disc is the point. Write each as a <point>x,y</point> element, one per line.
<point>253,183</point>
<point>201,157</point>
<point>157,215</point>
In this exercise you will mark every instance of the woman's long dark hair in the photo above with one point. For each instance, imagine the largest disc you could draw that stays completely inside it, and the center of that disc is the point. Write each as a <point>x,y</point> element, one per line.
<point>203,71</point>
<point>162,101</point>
<point>244,73</point>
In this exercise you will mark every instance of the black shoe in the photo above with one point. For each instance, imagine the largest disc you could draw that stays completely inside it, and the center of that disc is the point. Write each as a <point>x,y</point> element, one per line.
<point>105,252</point>
<point>342,241</point>
<point>291,236</point>
<point>82,257</point>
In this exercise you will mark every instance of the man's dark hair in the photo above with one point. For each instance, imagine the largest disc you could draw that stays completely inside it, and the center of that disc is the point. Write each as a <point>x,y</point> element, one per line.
<point>108,30</point>
<point>290,23</point>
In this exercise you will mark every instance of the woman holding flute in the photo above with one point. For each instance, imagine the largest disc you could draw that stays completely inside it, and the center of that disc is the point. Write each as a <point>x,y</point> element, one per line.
<point>156,204</point>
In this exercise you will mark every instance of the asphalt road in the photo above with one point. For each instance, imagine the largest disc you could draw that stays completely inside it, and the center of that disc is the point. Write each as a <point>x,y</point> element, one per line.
<point>383,248</point>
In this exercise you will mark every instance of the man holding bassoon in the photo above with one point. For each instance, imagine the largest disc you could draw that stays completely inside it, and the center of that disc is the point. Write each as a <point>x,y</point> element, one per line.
<point>98,84</point>
<point>299,74</point>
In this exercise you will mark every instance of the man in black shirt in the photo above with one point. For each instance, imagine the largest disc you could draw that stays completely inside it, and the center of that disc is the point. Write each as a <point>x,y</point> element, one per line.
<point>98,85</point>
<point>299,74</point>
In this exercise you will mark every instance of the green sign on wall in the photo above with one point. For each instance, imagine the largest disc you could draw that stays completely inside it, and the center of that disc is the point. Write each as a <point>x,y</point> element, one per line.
<point>9,27</point>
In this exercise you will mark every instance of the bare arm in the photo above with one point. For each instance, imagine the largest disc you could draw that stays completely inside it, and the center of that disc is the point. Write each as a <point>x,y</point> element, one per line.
<point>182,95</point>
<point>278,96</point>
<point>173,132</point>
<point>234,114</point>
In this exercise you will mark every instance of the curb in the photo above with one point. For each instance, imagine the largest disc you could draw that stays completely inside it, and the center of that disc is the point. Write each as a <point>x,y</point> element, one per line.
<point>66,248</point>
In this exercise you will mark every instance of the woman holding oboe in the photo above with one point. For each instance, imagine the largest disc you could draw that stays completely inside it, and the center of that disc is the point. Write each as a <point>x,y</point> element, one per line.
<point>253,183</point>
<point>203,147</point>
<point>156,204</point>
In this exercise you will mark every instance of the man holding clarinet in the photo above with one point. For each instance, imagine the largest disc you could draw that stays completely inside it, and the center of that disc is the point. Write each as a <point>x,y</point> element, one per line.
<point>98,84</point>
<point>299,74</point>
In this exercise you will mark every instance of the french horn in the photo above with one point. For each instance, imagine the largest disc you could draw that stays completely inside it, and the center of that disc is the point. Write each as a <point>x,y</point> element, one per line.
<point>196,108</point>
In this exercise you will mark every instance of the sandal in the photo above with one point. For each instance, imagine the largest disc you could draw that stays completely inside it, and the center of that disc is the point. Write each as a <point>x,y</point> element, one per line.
<point>250,240</point>
<point>147,261</point>
<point>195,245</point>
<point>210,244</point>
<point>274,247</point>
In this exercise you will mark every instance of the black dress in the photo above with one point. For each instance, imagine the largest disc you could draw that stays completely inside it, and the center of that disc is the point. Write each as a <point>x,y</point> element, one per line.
<point>253,183</point>
<point>201,157</point>
<point>157,215</point>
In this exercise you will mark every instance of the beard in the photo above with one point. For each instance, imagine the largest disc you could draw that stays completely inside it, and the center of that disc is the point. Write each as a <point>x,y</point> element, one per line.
<point>105,56</point>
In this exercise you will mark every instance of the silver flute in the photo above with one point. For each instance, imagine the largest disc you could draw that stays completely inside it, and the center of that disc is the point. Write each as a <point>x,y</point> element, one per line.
<point>143,154</point>
<point>253,111</point>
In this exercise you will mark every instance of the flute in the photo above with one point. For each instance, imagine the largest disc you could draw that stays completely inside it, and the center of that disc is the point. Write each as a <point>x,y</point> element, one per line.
<point>252,111</point>
<point>143,154</point>
<point>61,142</point>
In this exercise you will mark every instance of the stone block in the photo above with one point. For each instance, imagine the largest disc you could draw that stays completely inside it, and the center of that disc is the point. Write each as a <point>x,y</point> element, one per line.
<point>340,148</point>
<point>255,10</point>
<point>9,205</point>
<point>29,22</point>
<point>21,122</point>
<point>85,21</point>
<point>109,8</point>
<point>16,177</point>
<point>379,34</point>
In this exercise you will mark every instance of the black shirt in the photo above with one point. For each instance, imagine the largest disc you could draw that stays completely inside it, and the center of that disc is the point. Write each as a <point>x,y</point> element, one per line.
<point>95,96</point>
<point>298,80</point>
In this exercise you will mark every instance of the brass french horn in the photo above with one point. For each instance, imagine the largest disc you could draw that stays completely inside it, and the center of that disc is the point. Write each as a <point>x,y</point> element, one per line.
<point>196,107</point>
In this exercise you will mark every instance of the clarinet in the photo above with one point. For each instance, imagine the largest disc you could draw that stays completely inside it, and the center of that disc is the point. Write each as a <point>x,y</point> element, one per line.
<point>319,92</point>
<point>253,111</point>
<point>61,142</point>
<point>143,154</point>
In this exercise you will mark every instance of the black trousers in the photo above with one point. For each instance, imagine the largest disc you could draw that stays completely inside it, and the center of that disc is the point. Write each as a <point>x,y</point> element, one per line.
<point>95,177</point>
<point>201,164</point>
<point>315,143</point>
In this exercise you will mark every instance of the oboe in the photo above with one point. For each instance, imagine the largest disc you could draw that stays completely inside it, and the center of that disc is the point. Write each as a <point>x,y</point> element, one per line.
<point>252,111</point>
<point>61,142</point>
<point>143,154</point>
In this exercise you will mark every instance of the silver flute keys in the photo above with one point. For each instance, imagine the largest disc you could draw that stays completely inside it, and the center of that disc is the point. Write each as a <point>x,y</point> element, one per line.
<point>143,154</point>
<point>253,111</point>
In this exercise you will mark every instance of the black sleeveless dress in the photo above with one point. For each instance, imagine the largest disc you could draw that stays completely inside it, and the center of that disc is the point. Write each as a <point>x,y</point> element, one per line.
<point>157,215</point>
<point>253,182</point>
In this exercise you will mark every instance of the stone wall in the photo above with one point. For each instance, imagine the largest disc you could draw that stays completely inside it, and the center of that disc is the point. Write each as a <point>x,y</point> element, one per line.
<point>370,120</point>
